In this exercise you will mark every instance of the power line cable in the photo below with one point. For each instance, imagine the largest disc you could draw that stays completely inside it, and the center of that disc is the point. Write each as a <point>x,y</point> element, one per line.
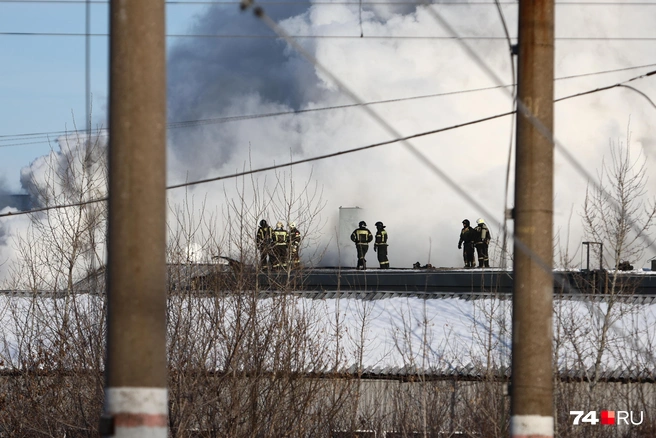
<point>621,84</point>
<point>504,249</point>
<point>227,119</point>
<point>45,136</point>
<point>292,163</point>
<point>273,167</point>
<point>582,75</point>
<point>511,50</point>
<point>334,37</point>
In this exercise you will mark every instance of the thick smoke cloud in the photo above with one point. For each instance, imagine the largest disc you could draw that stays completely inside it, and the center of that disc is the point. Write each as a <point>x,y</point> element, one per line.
<point>211,78</point>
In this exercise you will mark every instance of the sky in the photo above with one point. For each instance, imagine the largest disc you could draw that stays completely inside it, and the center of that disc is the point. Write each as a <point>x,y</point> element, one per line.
<point>42,87</point>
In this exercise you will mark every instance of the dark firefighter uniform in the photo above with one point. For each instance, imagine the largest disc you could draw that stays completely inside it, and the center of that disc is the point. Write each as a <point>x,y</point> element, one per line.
<point>294,244</point>
<point>483,238</point>
<point>468,237</point>
<point>280,242</point>
<point>362,236</point>
<point>264,244</point>
<point>380,246</point>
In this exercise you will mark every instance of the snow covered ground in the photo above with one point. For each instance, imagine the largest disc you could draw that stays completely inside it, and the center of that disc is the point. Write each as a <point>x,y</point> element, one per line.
<point>385,335</point>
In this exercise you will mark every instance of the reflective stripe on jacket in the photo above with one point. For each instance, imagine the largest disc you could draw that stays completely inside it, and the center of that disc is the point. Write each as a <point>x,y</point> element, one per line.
<point>362,236</point>
<point>381,238</point>
<point>280,237</point>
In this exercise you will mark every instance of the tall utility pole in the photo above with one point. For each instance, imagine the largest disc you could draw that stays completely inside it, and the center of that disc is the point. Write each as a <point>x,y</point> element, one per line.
<point>136,370</point>
<point>532,331</point>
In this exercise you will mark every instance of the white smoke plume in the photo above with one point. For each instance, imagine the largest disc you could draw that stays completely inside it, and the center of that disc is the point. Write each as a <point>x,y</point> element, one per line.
<point>74,172</point>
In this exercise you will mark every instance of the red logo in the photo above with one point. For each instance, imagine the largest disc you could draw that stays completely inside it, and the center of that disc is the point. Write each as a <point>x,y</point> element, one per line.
<point>608,417</point>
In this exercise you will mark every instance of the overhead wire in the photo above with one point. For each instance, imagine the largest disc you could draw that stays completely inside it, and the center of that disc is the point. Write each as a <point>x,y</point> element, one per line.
<point>582,75</point>
<point>26,138</point>
<point>333,37</point>
<point>360,17</point>
<point>620,84</point>
<point>504,240</point>
<point>292,163</point>
<point>87,66</point>
<point>273,167</point>
<point>227,119</point>
<point>503,350</point>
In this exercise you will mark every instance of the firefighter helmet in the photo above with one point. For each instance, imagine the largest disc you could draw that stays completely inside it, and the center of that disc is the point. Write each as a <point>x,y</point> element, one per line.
<point>292,225</point>
<point>466,222</point>
<point>480,220</point>
<point>362,224</point>
<point>263,223</point>
<point>279,224</point>
<point>379,224</point>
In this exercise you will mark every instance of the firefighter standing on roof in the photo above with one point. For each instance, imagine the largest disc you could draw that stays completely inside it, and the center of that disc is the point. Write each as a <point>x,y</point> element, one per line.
<point>482,243</point>
<point>468,237</point>
<point>264,244</point>
<point>294,244</point>
<point>380,246</point>
<point>362,236</point>
<point>280,242</point>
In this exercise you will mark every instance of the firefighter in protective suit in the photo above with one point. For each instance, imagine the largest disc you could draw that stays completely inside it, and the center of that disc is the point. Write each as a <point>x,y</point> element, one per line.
<point>264,244</point>
<point>482,244</point>
<point>361,236</point>
<point>294,244</point>
<point>280,242</point>
<point>380,246</point>
<point>468,237</point>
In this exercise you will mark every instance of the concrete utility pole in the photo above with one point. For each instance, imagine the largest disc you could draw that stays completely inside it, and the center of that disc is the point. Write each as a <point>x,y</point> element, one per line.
<point>532,331</point>
<point>136,370</point>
